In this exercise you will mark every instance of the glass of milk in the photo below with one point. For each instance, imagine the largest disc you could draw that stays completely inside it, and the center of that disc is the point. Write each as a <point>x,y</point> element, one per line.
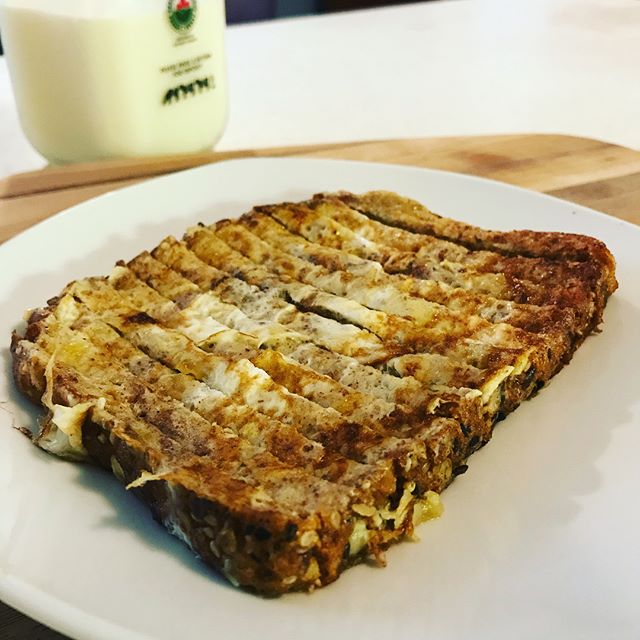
<point>96,79</point>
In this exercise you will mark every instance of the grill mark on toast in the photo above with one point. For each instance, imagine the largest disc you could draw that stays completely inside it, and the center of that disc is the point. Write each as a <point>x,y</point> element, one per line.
<point>353,404</point>
<point>242,380</point>
<point>411,215</point>
<point>341,368</point>
<point>466,350</point>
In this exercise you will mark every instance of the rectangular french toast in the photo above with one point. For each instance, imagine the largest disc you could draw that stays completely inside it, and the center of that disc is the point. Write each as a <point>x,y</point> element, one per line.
<point>289,392</point>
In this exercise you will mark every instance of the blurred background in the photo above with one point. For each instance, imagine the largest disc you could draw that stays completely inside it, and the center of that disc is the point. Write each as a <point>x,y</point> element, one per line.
<point>248,10</point>
<point>252,10</point>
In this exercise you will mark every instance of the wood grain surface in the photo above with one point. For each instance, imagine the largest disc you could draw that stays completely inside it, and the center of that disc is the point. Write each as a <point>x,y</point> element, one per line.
<point>599,175</point>
<point>593,173</point>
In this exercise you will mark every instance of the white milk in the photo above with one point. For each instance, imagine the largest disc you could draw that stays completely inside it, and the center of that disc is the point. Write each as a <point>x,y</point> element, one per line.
<point>96,79</point>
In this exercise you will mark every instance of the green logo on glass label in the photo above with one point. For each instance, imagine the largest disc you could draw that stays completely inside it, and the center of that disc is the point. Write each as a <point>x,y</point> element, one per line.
<point>182,13</point>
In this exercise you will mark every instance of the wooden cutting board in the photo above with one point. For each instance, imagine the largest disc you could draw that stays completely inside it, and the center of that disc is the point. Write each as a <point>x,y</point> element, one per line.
<point>602,176</point>
<point>599,175</point>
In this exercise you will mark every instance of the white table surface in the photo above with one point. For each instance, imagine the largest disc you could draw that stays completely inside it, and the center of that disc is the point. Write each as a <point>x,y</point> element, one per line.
<point>455,67</point>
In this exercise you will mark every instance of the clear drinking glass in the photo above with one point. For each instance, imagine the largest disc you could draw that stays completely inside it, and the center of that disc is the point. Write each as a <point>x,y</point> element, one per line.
<point>123,78</point>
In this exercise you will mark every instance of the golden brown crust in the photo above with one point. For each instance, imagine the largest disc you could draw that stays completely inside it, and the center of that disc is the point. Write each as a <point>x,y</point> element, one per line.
<point>581,257</point>
<point>286,391</point>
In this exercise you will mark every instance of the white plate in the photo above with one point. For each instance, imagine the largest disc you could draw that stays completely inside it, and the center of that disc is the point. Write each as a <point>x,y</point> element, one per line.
<point>539,538</point>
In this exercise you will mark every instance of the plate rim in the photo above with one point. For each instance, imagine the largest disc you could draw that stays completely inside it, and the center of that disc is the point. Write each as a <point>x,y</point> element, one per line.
<point>143,184</point>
